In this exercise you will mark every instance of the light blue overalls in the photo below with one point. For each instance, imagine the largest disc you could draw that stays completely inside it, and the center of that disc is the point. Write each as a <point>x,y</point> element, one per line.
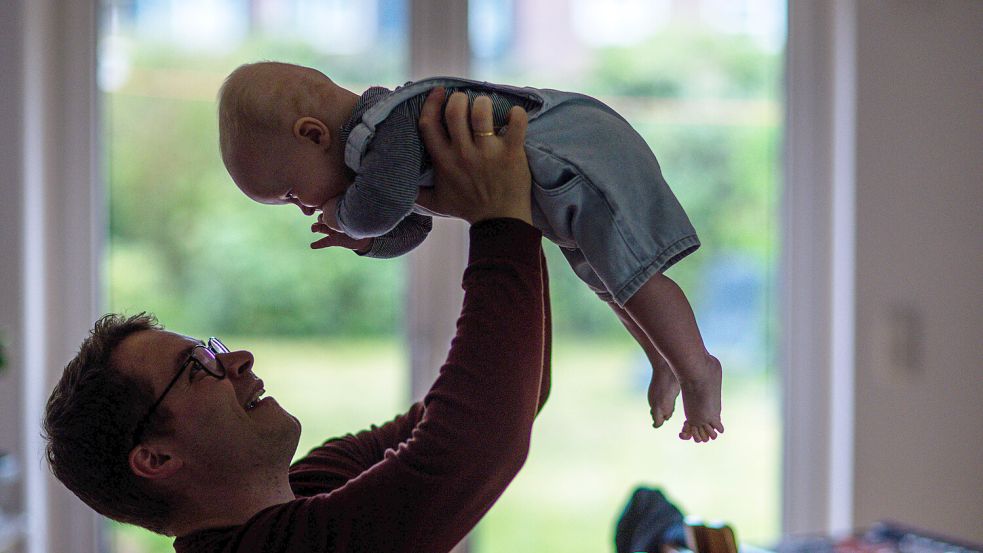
<point>598,191</point>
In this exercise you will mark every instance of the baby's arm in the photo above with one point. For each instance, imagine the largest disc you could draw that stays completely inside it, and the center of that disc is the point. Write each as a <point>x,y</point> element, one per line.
<point>408,234</point>
<point>386,187</point>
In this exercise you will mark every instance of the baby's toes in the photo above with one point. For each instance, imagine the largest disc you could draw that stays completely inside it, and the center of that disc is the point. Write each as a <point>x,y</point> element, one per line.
<point>709,431</point>
<point>703,434</point>
<point>687,432</point>
<point>657,418</point>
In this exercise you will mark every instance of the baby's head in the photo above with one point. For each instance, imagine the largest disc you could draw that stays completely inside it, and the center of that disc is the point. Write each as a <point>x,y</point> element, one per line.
<point>278,132</point>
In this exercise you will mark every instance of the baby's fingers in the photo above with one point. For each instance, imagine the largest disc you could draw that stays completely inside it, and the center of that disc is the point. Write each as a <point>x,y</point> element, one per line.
<point>326,242</point>
<point>341,239</point>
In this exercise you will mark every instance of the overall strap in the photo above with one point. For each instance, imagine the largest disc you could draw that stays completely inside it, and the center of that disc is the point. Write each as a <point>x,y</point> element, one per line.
<point>362,134</point>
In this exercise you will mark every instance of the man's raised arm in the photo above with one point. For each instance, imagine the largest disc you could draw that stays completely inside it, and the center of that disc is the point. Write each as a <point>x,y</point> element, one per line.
<point>474,428</point>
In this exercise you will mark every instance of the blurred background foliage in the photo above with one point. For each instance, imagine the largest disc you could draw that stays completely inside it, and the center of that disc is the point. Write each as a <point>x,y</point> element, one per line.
<point>186,244</point>
<point>182,234</point>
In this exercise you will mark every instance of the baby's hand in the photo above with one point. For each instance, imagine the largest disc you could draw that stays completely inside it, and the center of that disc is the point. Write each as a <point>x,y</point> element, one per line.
<point>337,238</point>
<point>329,215</point>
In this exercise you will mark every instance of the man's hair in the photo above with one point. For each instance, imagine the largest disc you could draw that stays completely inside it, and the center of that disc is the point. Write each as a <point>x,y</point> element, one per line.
<point>259,98</point>
<point>89,423</point>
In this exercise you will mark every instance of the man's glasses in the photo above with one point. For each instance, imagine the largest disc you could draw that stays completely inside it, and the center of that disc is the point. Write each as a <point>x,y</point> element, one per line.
<point>202,358</point>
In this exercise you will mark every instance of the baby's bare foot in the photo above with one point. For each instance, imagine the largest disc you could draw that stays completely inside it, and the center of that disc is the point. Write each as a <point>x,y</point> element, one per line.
<point>662,393</point>
<point>700,386</point>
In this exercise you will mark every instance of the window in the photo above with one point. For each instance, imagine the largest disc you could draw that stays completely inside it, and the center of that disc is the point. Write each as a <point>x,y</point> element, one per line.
<point>702,82</point>
<point>185,244</point>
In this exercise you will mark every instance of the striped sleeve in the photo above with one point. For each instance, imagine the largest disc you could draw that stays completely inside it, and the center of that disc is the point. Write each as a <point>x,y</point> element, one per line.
<point>385,188</point>
<point>408,234</point>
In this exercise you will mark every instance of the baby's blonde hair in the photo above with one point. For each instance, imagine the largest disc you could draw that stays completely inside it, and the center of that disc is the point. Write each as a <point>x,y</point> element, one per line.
<point>259,99</point>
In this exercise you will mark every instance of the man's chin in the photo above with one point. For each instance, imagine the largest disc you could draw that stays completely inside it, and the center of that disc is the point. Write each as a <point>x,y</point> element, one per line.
<point>290,420</point>
<point>282,430</point>
<point>292,431</point>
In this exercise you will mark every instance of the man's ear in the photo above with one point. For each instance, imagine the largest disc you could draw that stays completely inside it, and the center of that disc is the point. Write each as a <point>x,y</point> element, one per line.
<point>314,130</point>
<point>153,462</point>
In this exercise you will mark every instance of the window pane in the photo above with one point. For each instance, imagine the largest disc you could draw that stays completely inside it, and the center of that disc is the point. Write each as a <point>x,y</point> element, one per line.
<point>701,81</point>
<point>188,246</point>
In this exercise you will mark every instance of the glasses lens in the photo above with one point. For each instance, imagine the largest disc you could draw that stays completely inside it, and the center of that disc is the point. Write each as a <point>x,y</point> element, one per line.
<point>206,359</point>
<point>217,346</point>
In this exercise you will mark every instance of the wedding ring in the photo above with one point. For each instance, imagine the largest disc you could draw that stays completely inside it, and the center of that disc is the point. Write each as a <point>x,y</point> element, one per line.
<point>483,133</point>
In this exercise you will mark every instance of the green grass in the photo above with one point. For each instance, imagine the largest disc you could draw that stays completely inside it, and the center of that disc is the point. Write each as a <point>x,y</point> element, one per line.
<point>592,445</point>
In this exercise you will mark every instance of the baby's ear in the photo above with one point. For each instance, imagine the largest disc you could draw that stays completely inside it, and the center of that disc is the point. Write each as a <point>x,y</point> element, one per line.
<point>313,130</point>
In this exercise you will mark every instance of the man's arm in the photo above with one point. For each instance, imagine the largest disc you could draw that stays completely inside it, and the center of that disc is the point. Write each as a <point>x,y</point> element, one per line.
<point>341,459</point>
<point>473,434</point>
<point>338,460</point>
<point>546,374</point>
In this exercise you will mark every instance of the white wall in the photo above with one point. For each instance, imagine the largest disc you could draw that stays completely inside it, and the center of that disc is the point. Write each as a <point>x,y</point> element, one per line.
<point>919,255</point>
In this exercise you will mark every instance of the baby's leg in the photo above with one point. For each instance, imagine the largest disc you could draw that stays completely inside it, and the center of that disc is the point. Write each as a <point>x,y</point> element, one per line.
<point>662,311</point>
<point>663,388</point>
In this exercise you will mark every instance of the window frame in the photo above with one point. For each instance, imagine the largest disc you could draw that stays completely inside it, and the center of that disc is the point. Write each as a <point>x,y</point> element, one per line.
<point>55,234</point>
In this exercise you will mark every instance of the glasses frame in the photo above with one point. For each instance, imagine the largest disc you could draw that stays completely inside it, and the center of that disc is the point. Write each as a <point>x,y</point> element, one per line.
<point>213,347</point>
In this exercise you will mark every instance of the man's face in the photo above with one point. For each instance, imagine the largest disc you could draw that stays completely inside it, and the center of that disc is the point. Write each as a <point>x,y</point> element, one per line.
<point>213,431</point>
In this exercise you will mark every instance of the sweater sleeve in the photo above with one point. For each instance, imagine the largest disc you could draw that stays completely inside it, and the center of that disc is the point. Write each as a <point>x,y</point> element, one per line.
<point>421,482</point>
<point>339,460</point>
<point>427,493</point>
<point>386,185</point>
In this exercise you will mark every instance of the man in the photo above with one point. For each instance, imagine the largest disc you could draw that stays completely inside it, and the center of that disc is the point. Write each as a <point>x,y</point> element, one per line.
<point>173,434</point>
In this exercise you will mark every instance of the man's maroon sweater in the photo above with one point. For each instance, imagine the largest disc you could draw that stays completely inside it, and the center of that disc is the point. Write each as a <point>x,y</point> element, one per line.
<point>423,480</point>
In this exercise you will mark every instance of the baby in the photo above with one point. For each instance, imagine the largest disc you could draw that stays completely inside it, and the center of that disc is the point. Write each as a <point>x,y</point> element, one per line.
<point>289,134</point>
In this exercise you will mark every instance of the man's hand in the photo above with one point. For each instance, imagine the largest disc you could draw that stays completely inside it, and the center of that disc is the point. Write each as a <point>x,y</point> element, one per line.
<point>337,238</point>
<point>478,174</point>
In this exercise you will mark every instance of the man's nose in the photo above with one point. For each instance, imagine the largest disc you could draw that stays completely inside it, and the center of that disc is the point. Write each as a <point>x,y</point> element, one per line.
<point>236,363</point>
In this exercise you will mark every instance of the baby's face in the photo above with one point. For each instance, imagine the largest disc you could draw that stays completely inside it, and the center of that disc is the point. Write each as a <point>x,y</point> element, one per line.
<point>298,174</point>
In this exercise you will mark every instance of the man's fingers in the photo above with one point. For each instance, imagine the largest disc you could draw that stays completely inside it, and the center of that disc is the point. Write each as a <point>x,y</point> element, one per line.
<point>481,117</point>
<point>457,122</point>
<point>515,133</point>
<point>430,128</point>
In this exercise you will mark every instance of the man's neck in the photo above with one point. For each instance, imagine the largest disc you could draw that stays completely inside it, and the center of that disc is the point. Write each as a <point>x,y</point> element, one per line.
<point>230,505</point>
